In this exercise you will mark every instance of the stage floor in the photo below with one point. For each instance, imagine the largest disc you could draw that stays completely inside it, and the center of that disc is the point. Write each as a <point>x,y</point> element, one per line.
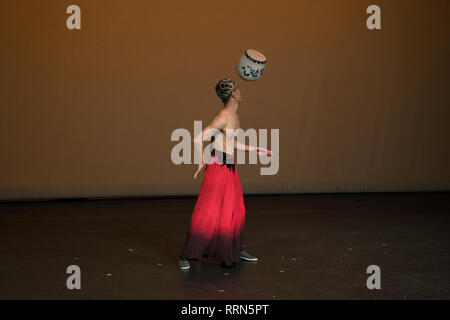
<point>312,246</point>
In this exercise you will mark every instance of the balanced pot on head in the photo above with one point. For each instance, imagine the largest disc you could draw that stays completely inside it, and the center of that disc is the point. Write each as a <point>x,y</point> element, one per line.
<point>251,65</point>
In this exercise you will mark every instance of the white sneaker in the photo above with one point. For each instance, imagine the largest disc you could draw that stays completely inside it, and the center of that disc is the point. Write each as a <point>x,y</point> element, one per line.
<point>183,264</point>
<point>247,257</point>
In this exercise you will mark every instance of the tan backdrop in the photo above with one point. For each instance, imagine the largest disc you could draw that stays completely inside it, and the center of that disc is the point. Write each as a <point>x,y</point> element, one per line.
<point>90,112</point>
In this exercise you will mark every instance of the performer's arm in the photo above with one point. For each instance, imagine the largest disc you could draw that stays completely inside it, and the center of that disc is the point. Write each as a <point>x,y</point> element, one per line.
<point>240,146</point>
<point>244,147</point>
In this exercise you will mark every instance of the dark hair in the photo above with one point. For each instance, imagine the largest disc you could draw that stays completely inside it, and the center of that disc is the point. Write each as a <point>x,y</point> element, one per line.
<point>224,89</point>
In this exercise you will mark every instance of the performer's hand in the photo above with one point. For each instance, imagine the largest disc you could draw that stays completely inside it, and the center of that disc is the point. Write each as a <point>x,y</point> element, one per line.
<point>200,167</point>
<point>263,152</point>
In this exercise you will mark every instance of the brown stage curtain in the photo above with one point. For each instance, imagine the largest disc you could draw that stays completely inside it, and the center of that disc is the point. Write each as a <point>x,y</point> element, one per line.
<point>90,112</point>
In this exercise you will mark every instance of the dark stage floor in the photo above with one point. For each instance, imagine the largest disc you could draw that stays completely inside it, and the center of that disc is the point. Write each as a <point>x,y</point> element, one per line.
<point>309,246</point>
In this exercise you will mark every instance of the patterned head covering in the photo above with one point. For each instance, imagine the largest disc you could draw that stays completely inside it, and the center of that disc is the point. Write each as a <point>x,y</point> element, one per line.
<point>224,88</point>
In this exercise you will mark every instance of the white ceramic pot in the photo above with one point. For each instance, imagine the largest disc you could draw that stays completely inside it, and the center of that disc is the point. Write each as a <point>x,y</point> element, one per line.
<point>251,65</point>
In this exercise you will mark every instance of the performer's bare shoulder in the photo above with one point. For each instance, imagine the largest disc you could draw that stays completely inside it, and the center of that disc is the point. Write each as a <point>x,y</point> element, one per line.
<point>231,119</point>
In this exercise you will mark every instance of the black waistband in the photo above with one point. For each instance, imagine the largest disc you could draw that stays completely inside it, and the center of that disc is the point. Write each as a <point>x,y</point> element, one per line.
<point>224,158</point>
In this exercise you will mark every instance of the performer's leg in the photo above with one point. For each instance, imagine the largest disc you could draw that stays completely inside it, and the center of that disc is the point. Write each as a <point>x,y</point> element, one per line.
<point>205,215</point>
<point>240,223</point>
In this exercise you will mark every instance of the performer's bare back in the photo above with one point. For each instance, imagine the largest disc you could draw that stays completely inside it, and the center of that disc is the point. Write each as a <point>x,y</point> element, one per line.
<point>232,123</point>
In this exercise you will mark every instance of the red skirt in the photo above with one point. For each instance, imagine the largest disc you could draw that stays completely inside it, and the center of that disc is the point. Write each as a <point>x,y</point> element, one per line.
<point>217,223</point>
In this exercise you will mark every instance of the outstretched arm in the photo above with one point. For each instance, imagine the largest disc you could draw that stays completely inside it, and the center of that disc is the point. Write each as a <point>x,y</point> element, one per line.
<point>244,147</point>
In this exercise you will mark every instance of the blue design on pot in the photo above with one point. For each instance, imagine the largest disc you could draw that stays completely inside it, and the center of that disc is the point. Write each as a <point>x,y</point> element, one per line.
<point>250,69</point>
